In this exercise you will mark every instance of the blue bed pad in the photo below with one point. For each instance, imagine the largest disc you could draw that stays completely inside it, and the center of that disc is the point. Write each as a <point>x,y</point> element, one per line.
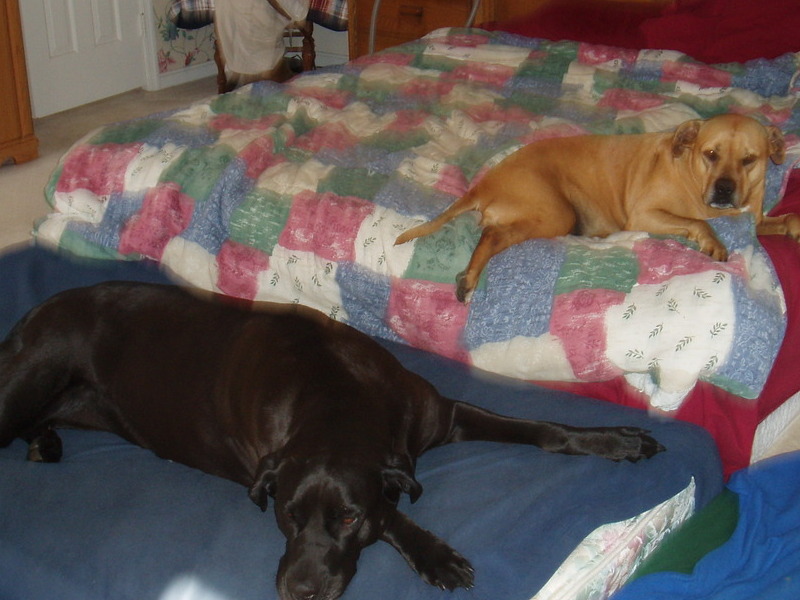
<point>112,521</point>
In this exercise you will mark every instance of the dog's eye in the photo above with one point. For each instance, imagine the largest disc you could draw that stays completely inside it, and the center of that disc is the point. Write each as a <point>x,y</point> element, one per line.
<point>711,155</point>
<point>748,160</point>
<point>292,516</point>
<point>347,518</point>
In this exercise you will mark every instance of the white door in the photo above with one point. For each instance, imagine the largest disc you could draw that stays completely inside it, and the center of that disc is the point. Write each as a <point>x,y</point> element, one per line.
<point>79,51</point>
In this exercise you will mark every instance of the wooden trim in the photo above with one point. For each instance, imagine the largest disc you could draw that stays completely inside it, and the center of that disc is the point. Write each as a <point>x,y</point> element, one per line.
<point>19,142</point>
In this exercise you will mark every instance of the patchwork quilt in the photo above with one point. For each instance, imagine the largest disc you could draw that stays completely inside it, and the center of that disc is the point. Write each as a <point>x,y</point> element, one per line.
<point>296,193</point>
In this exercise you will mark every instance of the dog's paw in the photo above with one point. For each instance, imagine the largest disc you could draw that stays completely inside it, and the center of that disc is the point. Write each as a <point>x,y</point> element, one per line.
<point>45,448</point>
<point>701,233</point>
<point>792,222</point>
<point>713,248</point>
<point>463,291</point>
<point>635,444</point>
<point>446,569</point>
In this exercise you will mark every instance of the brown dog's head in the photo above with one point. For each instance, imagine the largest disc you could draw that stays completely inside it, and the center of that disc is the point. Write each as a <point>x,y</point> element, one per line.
<point>729,155</point>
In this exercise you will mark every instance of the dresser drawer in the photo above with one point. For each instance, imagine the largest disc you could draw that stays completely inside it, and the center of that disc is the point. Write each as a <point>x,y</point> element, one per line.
<point>404,20</point>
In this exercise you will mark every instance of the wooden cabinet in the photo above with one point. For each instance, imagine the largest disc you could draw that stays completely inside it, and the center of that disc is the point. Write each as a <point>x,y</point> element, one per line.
<point>404,20</point>
<point>17,142</point>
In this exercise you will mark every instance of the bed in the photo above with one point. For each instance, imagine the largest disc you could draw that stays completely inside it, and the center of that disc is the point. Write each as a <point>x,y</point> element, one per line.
<point>295,192</point>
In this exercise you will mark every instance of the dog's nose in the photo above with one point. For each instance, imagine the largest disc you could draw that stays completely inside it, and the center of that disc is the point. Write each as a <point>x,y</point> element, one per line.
<point>304,591</point>
<point>724,190</point>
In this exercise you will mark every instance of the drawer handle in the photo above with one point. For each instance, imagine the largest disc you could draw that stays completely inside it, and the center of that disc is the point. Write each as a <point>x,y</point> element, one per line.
<point>411,11</point>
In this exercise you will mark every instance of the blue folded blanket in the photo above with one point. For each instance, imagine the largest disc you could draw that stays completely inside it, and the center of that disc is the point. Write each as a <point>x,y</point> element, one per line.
<point>762,557</point>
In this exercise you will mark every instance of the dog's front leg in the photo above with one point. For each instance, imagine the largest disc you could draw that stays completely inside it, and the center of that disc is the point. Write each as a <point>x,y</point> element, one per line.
<point>470,422</point>
<point>661,222</point>
<point>436,562</point>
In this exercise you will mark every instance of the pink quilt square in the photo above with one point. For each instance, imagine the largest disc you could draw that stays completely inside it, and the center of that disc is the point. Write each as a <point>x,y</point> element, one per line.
<point>165,213</point>
<point>697,73</point>
<point>259,155</point>
<point>333,98</point>
<point>598,54</point>
<point>427,315</point>
<point>635,100</point>
<point>578,320</point>
<point>407,120</point>
<point>492,74</point>
<point>490,111</point>
<point>452,181</point>
<point>323,137</point>
<point>325,224</point>
<point>239,266</point>
<point>98,169</point>
<point>662,260</point>
<point>235,122</point>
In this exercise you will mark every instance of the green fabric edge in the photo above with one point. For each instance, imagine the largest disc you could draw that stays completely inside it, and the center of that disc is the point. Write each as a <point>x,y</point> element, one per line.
<point>700,534</point>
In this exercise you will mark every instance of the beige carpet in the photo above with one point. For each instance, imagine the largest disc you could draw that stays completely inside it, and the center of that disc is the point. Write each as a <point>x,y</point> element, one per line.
<point>22,186</point>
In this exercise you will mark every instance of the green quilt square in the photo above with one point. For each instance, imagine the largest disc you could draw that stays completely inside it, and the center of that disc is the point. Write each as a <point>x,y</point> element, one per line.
<point>614,269</point>
<point>198,170</point>
<point>439,257</point>
<point>361,183</point>
<point>258,221</point>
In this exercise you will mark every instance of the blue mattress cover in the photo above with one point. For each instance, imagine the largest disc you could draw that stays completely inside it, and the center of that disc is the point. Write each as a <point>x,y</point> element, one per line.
<point>113,521</point>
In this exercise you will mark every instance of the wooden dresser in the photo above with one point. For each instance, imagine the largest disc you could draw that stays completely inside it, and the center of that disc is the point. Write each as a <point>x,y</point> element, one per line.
<point>17,141</point>
<point>404,20</point>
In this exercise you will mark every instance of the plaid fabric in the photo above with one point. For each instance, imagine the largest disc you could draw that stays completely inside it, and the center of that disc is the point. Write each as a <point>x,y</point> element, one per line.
<point>332,14</point>
<point>192,14</point>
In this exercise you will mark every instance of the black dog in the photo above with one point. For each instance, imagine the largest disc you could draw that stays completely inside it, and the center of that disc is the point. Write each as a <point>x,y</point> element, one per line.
<point>282,400</point>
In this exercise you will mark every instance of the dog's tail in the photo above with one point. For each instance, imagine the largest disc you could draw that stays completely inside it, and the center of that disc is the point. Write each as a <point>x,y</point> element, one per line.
<point>466,203</point>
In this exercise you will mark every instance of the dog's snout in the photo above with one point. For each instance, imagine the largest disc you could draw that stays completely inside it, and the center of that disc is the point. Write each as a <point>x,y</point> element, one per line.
<point>724,193</point>
<point>305,586</point>
<point>304,591</point>
<point>725,186</point>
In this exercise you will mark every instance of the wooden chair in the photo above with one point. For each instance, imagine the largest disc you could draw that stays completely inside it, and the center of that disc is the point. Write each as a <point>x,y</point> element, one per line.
<point>298,41</point>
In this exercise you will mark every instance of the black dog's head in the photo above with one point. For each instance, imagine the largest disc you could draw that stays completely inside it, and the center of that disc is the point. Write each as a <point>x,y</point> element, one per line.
<point>329,511</point>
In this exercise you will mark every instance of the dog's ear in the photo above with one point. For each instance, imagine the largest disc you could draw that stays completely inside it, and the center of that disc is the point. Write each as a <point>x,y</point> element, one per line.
<point>777,145</point>
<point>398,477</point>
<point>685,136</point>
<point>263,485</point>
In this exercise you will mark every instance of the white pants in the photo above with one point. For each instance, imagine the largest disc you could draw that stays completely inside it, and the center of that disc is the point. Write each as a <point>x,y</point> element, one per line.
<point>251,32</point>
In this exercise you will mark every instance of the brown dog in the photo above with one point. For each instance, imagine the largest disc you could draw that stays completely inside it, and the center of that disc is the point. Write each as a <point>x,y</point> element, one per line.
<point>661,183</point>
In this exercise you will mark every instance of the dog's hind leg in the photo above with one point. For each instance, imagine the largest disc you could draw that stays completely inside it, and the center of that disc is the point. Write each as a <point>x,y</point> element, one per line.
<point>30,388</point>
<point>615,443</point>
<point>466,203</point>
<point>44,446</point>
<point>494,239</point>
